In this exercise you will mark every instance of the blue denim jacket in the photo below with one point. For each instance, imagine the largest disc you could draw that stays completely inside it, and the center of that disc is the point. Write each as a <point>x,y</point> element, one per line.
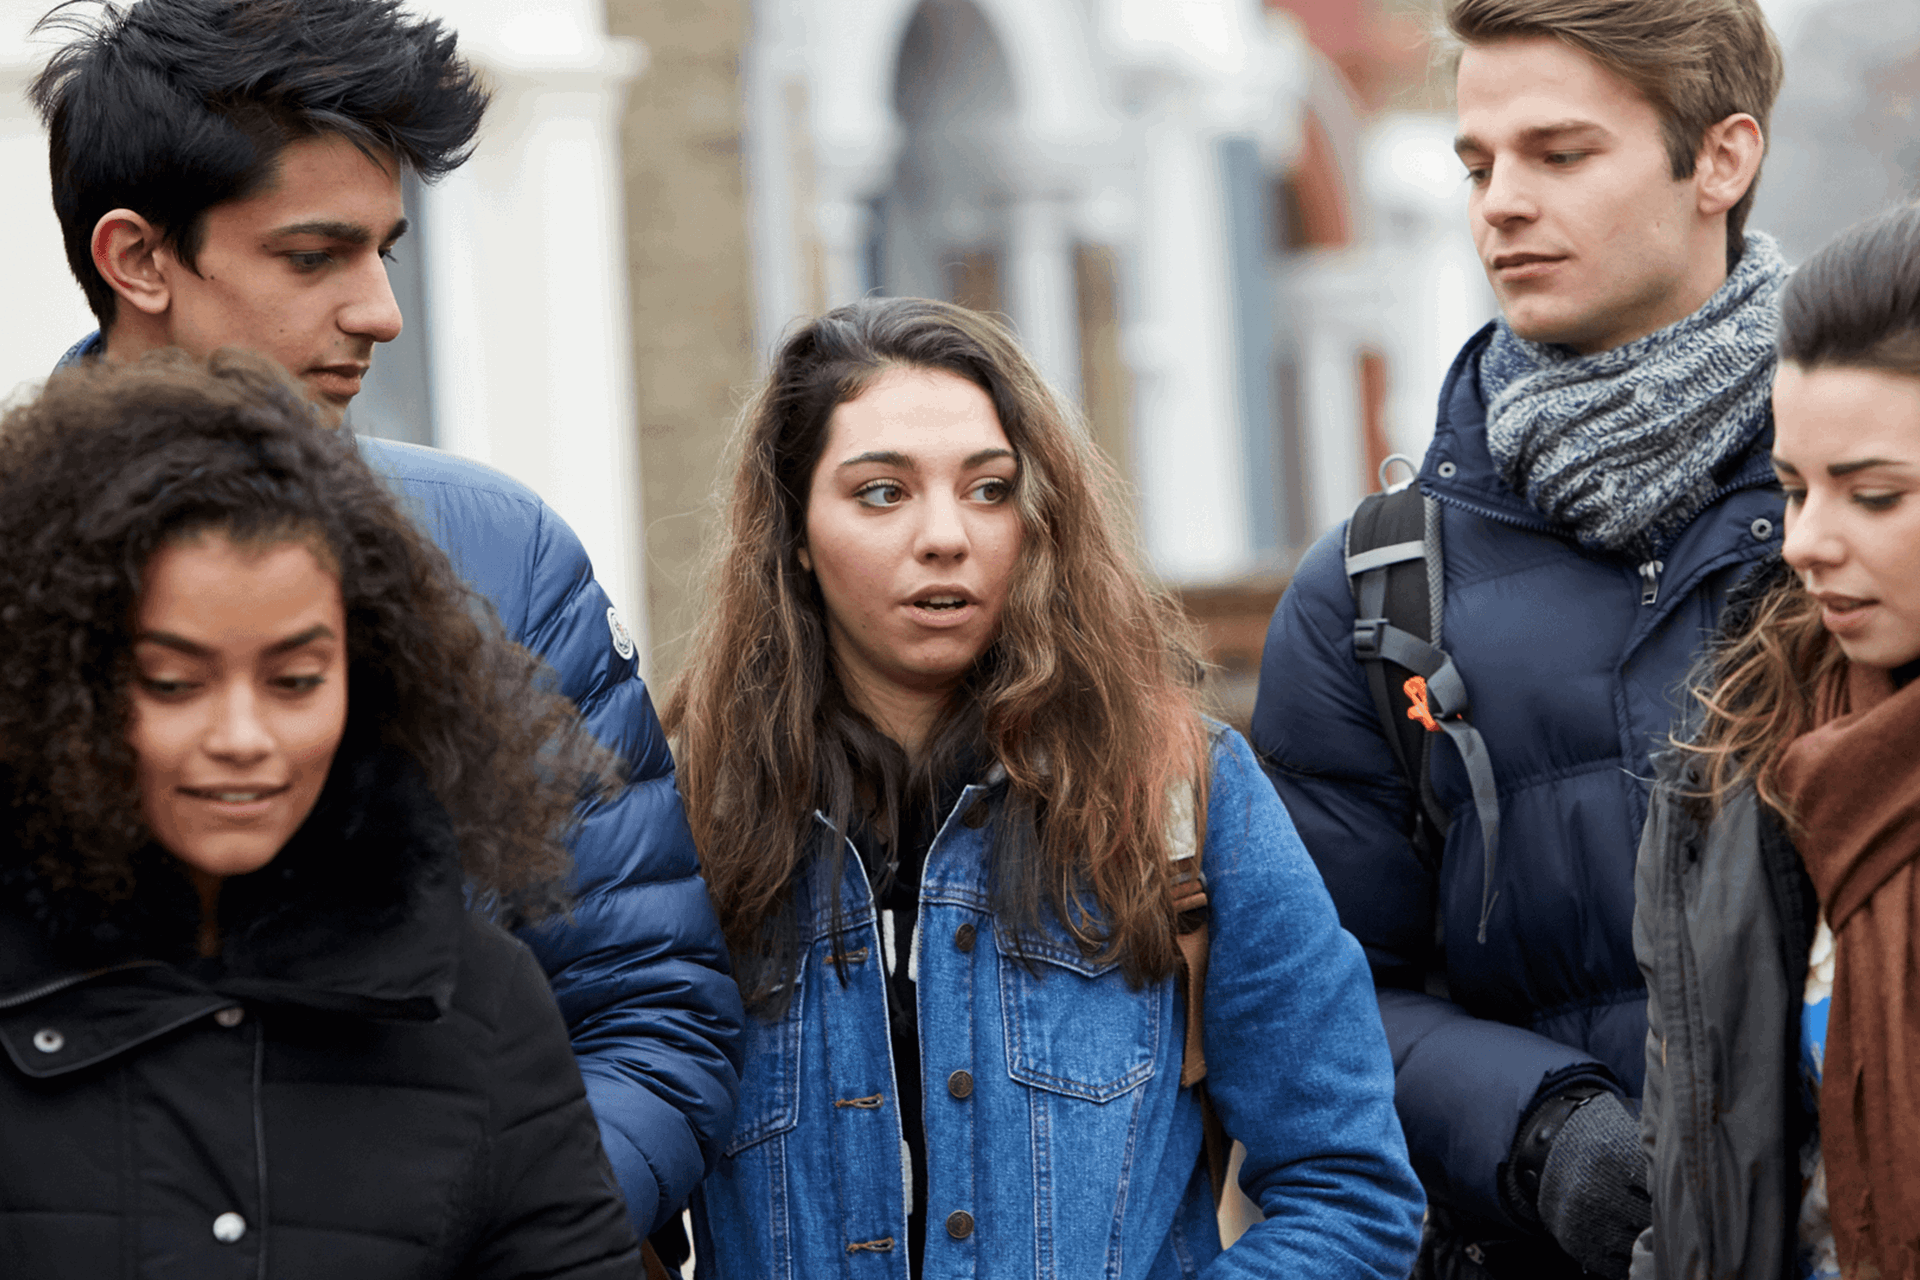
<point>1059,1141</point>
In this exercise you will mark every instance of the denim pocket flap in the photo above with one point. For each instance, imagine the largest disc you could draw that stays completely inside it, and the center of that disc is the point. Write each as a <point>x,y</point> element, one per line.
<point>1074,1027</point>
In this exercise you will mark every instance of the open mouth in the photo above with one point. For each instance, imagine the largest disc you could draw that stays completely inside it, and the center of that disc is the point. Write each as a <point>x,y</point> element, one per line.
<point>941,604</point>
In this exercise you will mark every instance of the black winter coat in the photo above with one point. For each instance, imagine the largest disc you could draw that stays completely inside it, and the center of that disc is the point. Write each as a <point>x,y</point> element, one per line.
<point>368,1082</point>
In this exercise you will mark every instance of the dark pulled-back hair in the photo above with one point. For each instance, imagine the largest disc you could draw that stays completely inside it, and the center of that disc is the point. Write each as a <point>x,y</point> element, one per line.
<point>169,107</point>
<point>1696,61</point>
<point>1853,305</point>
<point>109,465</point>
<point>1086,698</point>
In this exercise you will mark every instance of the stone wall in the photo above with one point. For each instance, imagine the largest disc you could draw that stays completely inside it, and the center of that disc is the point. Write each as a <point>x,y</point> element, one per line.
<point>689,279</point>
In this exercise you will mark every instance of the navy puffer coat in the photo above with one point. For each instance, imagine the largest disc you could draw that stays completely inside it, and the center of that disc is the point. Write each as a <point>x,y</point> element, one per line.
<point>1574,679</point>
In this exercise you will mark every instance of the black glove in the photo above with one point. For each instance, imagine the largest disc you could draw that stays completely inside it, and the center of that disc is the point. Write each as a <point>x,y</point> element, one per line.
<point>1592,1185</point>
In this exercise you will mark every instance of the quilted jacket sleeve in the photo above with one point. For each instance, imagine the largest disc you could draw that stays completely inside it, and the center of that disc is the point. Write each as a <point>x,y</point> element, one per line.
<point>1462,1083</point>
<point>639,969</point>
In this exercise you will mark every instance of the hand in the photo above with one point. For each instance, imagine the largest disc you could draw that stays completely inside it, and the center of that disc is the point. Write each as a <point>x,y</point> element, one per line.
<point>1593,1188</point>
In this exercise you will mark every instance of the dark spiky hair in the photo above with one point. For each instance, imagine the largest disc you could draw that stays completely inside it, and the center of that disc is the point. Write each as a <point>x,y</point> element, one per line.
<point>170,107</point>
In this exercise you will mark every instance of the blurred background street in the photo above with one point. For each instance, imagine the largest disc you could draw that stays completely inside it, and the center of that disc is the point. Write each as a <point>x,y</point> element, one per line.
<point>1233,233</point>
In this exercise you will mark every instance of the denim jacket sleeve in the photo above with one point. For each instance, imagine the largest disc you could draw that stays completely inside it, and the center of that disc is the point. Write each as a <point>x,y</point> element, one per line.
<point>1297,1063</point>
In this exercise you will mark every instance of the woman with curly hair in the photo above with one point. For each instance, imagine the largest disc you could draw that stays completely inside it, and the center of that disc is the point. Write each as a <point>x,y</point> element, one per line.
<point>1778,917</point>
<point>940,749</point>
<point>258,751</point>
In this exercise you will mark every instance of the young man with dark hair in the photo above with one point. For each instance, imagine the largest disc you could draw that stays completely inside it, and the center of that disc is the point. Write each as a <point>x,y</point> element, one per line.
<point>227,172</point>
<point>1597,484</point>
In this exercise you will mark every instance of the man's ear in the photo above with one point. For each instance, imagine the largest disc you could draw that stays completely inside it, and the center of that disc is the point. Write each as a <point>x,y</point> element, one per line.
<point>128,253</point>
<point>1730,155</point>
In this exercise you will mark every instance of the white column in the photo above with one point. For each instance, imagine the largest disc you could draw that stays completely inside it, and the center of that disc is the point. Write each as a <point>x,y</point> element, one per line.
<point>45,313</point>
<point>526,288</point>
<point>1041,293</point>
<point>1187,429</point>
<point>843,225</point>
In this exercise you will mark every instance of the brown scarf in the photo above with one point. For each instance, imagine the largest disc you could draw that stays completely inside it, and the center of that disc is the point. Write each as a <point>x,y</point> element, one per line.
<point>1854,786</point>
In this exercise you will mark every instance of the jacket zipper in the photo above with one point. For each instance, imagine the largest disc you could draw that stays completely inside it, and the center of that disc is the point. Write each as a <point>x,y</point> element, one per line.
<point>1650,582</point>
<point>28,996</point>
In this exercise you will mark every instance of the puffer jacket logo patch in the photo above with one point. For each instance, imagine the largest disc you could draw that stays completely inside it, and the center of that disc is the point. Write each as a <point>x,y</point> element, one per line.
<point>622,638</point>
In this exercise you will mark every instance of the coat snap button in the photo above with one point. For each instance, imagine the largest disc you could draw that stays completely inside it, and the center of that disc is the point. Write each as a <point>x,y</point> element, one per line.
<point>229,1017</point>
<point>963,937</point>
<point>976,815</point>
<point>959,1224</point>
<point>229,1227</point>
<point>960,1084</point>
<point>1446,470</point>
<point>1762,529</point>
<point>47,1040</point>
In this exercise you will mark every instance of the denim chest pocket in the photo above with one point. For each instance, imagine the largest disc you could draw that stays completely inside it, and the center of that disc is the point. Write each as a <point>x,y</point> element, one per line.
<point>770,1073</point>
<point>1074,1027</point>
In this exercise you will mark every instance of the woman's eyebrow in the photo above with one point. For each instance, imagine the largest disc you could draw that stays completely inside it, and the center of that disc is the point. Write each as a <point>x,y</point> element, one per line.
<point>884,457</point>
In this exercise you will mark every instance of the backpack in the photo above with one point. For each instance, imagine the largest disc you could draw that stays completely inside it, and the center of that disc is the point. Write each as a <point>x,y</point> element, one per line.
<point>1396,572</point>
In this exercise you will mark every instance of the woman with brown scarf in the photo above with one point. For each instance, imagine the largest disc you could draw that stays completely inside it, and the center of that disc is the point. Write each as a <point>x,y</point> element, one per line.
<point>1782,1109</point>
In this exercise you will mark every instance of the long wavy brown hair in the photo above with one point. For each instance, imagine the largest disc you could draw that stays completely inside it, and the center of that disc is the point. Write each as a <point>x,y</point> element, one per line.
<point>1087,698</point>
<point>108,465</point>
<point>1855,304</point>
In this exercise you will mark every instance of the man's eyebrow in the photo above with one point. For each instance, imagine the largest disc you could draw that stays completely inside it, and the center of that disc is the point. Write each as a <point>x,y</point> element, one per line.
<point>1538,135</point>
<point>346,232</point>
<point>193,649</point>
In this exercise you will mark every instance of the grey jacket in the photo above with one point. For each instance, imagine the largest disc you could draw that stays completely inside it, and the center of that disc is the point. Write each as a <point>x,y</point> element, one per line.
<point>1722,926</point>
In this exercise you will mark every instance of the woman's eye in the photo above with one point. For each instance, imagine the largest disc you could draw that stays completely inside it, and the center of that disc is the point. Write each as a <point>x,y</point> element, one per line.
<point>1876,501</point>
<point>160,687</point>
<point>994,490</point>
<point>300,684</point>
<point>1793,496</point>
<point>1561,159</point>
<point>881,493</point>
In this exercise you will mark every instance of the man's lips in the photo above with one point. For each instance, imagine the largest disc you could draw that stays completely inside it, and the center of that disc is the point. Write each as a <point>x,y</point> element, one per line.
<point>339,379</point>
<point>1524,266</point>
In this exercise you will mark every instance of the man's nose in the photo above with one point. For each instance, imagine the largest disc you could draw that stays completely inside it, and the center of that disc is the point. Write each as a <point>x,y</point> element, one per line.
<point>372,311</point>
<point>1506,197</point>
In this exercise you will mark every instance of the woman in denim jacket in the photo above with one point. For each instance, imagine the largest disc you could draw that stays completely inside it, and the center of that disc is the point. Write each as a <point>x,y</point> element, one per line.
<point>940,749</point>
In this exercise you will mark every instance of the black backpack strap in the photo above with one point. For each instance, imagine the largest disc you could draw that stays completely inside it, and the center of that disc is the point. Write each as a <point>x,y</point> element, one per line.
<point>1395,569</point>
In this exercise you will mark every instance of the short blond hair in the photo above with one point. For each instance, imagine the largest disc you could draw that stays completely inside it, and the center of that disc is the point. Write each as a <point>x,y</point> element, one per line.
<point>1696,61</point>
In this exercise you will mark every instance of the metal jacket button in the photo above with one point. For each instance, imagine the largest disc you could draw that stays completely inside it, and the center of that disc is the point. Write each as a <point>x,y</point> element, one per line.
<point>1762,529</point>
<point>229,1227</point>
<point>47,1040</point>
<point>960,1084</point>
<point>959,1224</point>
<point>963,937</point>
<point>229,1017</point>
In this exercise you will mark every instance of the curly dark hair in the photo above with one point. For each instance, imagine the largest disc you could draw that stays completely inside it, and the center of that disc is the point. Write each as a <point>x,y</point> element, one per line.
<point>108,465</point>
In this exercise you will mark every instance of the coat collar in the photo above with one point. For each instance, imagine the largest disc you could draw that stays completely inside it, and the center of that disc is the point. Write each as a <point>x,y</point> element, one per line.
<point>359,915</point>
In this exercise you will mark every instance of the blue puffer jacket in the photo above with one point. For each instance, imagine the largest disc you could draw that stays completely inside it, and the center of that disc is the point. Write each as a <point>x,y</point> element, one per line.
<point>639,969</point>
<point>1573,680</point>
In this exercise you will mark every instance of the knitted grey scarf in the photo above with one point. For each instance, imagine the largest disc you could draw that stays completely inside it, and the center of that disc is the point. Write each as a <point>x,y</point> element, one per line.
<point>1622,446</point>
